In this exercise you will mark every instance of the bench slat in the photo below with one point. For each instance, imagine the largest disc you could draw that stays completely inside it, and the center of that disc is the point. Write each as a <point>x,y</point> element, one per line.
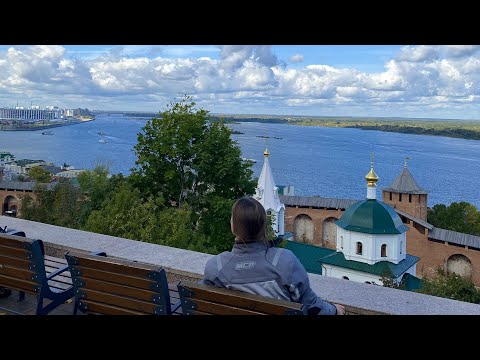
<point>17,284</point>
<point>16,272</point>
<point>108,309</point>
<point>119,301</point>
<point>55,260</point>
<point>222,298</point>
<point>14,262</point>
<point>134,269</point>
<point>117,278</point>
<point>14,252</point>
<point>220,309</point>
<point>117,289</point>
<point>14,241</point>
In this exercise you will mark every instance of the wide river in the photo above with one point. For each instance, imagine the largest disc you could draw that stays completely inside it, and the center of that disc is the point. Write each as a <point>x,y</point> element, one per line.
<point>329,162</point>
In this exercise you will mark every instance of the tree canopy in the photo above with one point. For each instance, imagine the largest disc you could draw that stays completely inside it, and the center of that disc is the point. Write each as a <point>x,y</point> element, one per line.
<point>462,217</point>
<point>39,174</point>
<point>451,286</point>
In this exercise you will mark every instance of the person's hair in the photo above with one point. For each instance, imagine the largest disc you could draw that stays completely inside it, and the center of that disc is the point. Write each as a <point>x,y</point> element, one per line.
<point>248,220</point>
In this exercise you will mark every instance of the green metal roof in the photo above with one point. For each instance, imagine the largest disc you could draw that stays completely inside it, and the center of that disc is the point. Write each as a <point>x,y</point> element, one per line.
<point>411,282</point>
<point>372,217</point>
<point>309,255</point>
<point>382,268</point>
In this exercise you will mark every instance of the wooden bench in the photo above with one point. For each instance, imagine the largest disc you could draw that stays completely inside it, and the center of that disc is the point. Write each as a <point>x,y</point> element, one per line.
<point>111,286</point>
<point>199,299</point>
<point>25,267</point>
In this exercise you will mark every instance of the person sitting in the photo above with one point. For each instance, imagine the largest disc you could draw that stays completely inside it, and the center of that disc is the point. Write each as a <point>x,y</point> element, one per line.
<point>255,267</point>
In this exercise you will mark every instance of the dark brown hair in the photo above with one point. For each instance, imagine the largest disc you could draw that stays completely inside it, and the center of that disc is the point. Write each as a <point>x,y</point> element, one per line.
<point>248,220</point>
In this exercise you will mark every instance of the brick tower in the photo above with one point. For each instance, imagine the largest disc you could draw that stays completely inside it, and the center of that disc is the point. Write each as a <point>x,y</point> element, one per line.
<point>405,194</point>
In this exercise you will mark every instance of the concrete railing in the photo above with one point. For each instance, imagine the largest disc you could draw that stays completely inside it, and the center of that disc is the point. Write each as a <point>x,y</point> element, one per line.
<point>359,298</point>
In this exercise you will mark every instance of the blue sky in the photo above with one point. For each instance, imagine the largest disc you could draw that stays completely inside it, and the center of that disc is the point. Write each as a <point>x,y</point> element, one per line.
<point>438,81</point>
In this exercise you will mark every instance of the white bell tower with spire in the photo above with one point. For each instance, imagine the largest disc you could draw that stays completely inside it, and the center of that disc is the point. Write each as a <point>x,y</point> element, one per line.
<point>267,194</point>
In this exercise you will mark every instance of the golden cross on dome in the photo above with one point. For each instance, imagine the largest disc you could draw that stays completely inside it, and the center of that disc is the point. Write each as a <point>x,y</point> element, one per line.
<point>405,164</point>
<point>372,157</point>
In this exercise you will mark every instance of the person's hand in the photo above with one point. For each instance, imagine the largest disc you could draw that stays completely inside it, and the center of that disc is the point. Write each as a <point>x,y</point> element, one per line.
<point>340,309</point>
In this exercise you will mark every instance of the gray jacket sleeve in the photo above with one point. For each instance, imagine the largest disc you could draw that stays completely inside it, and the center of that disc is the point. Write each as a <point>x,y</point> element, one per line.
<point>304,293</point>
<point>210,276</point>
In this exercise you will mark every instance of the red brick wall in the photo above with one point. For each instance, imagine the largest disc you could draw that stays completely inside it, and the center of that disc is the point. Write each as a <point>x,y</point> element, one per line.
<point>318,217</point>
<point>18,195</point>
<point>416,208</point>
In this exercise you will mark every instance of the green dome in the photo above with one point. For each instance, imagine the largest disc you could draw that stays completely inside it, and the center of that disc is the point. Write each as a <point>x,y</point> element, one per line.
<point>372,217</point>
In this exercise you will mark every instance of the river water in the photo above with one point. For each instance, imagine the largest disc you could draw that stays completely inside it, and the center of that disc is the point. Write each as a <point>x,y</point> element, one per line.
<point>329,162</point>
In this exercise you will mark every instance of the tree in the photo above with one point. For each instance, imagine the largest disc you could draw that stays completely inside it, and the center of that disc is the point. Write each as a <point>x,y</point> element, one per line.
<point>125,214</point>
<point>462,217</point>
<point>60,206</point>
<point>389,281</point>
<point>191,162</point>
<point>183,157</point>
<point>39,174</point>
<point>452,286</point>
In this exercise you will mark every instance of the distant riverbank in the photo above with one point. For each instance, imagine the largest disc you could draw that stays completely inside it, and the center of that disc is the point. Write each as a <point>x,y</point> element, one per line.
<point>463,129</point>
<point>42,127</point>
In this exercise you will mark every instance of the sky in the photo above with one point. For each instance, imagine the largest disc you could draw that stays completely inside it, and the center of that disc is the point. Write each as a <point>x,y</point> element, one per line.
<point>413,81</point>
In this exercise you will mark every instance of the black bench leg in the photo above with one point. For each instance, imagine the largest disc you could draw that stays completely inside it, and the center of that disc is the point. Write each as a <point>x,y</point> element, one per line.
<point>21,296</point>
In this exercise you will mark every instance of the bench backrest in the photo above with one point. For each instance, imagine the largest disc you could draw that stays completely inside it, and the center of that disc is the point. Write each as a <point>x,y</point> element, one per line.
<point>21,263</point>
<point>104,285</point>
<point>199,299</point>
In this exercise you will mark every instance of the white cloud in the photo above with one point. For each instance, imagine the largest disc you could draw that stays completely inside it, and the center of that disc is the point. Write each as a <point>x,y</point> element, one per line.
<point>244,78</point>
<point>297,58</point>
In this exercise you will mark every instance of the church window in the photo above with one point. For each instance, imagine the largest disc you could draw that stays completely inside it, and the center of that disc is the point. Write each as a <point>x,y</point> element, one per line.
<point>390,196</point>
<point>401,247</point>
<point>383,250</point>
<point>345,278</point>
<point>409,197</point>
<point>359,248</point>
<point>341,242</point>
<point>399,197</point>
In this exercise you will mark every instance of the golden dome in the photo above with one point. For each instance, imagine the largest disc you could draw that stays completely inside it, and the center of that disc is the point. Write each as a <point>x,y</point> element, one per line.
<point>371,177</point>
<point>266,153</point>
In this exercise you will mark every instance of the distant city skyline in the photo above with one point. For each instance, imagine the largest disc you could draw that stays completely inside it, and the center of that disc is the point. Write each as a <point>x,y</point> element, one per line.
<point>437,81</point>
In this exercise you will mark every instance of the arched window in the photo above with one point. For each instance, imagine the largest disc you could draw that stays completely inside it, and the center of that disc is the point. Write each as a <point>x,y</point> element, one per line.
<point>383,250</point>
<point>401,247</point>
<point>359,248</point>
<point>460,264</point>
<point>345,278</point>
<point>390,196</point>
<point>341,242</point>
<point>409,197</point>
<point>399,197</point>
<point>303,227</point>
<point>329,233</point>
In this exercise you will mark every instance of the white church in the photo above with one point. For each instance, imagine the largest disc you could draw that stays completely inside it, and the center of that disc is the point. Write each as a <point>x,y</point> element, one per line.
<point>371,241</point>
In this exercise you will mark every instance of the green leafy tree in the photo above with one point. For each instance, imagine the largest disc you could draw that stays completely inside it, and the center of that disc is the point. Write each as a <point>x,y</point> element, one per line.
<point>98,186</point>
<point>389,281</point>
<point>187,160</point>
<point>60,206</point>
<point>452,286</point>
<point>462,217</point>
<point>39,174</point>
<point>126,214</point>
